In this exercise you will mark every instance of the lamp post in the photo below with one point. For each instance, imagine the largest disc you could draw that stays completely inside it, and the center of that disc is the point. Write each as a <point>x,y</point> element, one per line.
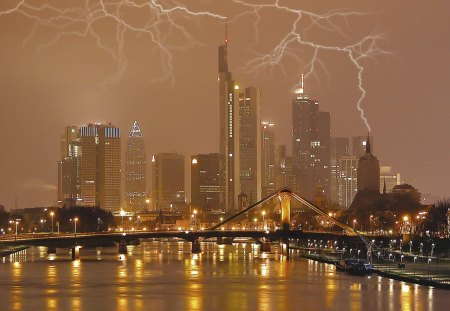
<point>17,222</point>
<point>410,247</point>
<point>354,224</point>
<point>429,260</point>
<point>52,214</point>
<point>432,249</point>
<point>75,220</point>
<point>415,257</point>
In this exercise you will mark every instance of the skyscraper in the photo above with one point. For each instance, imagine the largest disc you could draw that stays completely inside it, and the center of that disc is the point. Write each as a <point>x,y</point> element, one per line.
<point>205,181</point>
<point>69,188</point>
<point>268,166</point>
<point>88,167</point>
<point>228,132</point>
<point>135,170</point>
<point>347,184</point>
<point>250,143</point>
<point>109,167</point>
<point>167,180</point>
<point>340,146</point>
<point>90,172</point>
<point>311,145</point>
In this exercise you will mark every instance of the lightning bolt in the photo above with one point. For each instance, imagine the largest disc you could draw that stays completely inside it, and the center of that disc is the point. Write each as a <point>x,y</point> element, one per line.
<point>164,20</point>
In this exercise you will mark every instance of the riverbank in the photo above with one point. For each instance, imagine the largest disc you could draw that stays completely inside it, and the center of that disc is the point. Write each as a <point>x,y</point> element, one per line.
<point>12,250</point>
<point>442,282</point>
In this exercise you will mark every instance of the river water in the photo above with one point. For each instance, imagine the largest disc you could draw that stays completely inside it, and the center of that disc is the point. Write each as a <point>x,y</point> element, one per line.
<point>166,276</point>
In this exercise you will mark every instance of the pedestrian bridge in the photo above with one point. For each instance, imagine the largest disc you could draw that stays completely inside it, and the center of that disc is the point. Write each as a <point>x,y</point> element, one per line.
<point>264,237</point>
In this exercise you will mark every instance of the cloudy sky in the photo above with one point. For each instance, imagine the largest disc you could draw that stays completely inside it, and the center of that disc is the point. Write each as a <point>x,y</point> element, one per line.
<point>156,62</point>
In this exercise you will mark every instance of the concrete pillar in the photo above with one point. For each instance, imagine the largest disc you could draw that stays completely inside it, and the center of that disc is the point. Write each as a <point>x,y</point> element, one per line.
<point>219,240</point>
<point>123,247</point>
<point>285,200</point>
<point>196,248</point>
<point>51,250</point>
<point>75,253</point>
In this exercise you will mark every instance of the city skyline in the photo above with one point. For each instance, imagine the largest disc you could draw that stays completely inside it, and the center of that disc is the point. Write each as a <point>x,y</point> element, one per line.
<point>407,131</point>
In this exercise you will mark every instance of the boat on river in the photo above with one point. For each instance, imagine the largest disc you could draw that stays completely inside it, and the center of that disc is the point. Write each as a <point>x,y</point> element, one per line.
<point>354,266</point>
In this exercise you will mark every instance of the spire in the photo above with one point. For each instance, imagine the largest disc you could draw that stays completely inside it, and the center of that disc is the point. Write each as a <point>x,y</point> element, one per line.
<point>135,130</point>
<point>223,62</point>
<point>226,31</point>
<point>384,186</point>
<point>368,149</point>
<point>302,90</point>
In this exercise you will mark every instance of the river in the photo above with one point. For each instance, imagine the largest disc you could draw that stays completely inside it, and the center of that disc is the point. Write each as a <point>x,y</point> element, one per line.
<point>166,276</point>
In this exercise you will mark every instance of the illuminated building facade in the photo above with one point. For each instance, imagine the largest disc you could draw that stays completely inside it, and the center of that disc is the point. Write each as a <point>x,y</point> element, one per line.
<point>135,170</point>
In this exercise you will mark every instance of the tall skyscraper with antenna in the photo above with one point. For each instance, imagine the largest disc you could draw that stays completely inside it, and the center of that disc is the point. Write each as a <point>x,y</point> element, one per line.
<point>310,145</point>
<point>228,131</point>
<point>135,170</point>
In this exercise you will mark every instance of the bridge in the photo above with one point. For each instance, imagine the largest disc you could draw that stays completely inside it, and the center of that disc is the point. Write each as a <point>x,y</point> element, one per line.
<point>264,237</point>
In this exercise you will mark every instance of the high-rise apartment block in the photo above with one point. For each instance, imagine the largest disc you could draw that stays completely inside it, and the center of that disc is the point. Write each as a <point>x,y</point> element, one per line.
<point>90,164</point>
<point>167,180</point>
<point>205,181</point>
<point>135,170</point>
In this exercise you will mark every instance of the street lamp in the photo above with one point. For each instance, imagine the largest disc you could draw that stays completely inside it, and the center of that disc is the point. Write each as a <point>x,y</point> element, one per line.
<point>354,224</point>
<point>429,260</point>
<point>52,214</point>
<point>415,257</point>
<point>17,222</point>
<point>75,220</point>
<point>410,247</point>
<point>432,248</point>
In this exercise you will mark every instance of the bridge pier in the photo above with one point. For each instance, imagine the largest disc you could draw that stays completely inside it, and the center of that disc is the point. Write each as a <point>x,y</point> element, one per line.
<point>75,252</point>
<point>284,245</point>
<point>123,247</point>
<point>219,240</point>
<point>196,248</point>
<point>265,247</point>
<point>285,200</point>
<point>51,250</point>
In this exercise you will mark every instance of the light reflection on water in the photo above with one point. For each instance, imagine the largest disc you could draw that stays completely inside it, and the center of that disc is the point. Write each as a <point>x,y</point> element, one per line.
<point>166,276</point>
